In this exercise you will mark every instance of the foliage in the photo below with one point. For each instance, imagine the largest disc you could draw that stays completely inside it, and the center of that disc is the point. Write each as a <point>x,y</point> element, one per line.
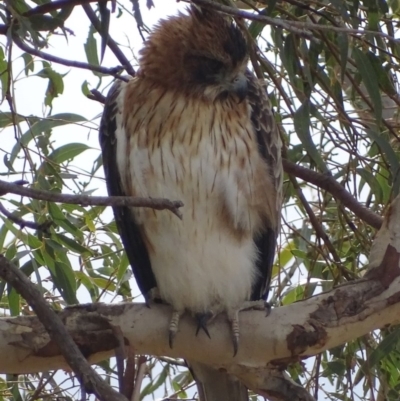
<point>331,73</point>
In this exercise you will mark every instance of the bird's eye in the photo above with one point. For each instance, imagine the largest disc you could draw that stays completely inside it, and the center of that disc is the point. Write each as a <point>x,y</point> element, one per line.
<point>210,65</point>
<point>205,69</point>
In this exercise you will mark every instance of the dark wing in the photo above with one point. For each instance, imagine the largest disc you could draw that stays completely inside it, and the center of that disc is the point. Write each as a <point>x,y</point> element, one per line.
<point>129,231</point>
<point>269,146</point>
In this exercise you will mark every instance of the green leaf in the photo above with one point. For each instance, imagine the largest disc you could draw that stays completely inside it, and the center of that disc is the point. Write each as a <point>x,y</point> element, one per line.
<point>104,284</point>
<point>67,152</point>
<point>297,294</point>
<point>91,50</point>
<point>87,282</point>
<point>286,254</point>
<point>55,212</point>
<point>50,23</point>
<point>390,154</point>
<point>4,76</point>
<point>343,43</point>
<point>29,64</point>
<point>302,123</point>
<point>13,301</point>
<point>104,26</point>
<point>289,57</point>
<point>64,279</point>
<point>39,127</point>
<point>73,245</point>
<point>299,254</point>
<point>61,272</point>
<point>368,76</point>
<point>6,119</point>
<point>384,79</point>
<point>33,242</point>
<point>85,88</point>
<point>334,367</point>
<point>3,233</point>
<point>385,347</point>
<point>372,182</point>
<point>55,86</point>
<point>154,385</point>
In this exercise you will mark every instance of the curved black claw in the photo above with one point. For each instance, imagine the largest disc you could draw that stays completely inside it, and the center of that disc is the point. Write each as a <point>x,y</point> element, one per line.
<point>268,308</point>
<point>171,338</point>
<point>202,320</point>
<point>235,341</point>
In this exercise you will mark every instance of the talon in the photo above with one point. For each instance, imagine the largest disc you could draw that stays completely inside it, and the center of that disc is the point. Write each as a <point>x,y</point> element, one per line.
<point>233,318</point>
<point>171,338</point>
<point>202,320</point>
<point>268,308</point>
<point>235,336</point>
<point>173,327</point>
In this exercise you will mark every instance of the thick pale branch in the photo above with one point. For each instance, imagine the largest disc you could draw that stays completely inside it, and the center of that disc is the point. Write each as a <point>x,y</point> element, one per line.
<point>289,333</point>
<point>84,200</point>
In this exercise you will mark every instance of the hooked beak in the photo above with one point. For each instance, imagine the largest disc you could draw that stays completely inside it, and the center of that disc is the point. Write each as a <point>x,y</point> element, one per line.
<point>240,87</point>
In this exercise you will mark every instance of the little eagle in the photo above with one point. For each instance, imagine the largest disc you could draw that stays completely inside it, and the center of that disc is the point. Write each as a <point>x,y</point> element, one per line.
<point>196,125</point>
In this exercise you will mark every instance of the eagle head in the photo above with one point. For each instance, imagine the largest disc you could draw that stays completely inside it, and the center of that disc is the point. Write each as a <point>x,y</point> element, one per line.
<point>201,53</point>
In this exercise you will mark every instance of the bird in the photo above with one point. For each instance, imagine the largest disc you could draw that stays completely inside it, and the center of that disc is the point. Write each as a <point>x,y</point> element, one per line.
<point>196,125</point>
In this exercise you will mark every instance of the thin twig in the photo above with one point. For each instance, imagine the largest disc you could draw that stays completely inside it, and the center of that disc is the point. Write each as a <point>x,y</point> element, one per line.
<point>297,27</point>
<point>320,232</point>
<point>23,223</point>
<point>139,378</point>
<point>89,379</point>
<point>69,63</point>
<point>128,385</point>
<point>84,200</point>
<point>56,5</point>
<point>120,355</point>
<point>172,361</point>
<point>328,183</point>
<point>110,42</point>
<point>97,95</point>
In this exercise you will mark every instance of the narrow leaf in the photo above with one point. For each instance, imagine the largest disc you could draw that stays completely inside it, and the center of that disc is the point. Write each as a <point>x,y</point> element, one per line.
<point>370,81</point>
<point>67,152</point>
<point>302,127</point>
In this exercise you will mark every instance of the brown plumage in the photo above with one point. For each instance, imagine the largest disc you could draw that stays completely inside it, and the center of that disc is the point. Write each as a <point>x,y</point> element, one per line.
<point>196,125</point>
<point>182,50</point>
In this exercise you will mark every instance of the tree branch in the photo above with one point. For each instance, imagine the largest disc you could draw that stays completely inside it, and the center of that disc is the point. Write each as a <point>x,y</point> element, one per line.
<point>291,332</point>
<point>320,232</point>
<point>329,184</point>
<point>110,42</point>
<point>288,334</point>
<point>297,27</point>
<point>56,5</point>
<point>23,223</point>
<point>84,200</point>
<point>89,379</point>
<point>273,384</point>
<point>69,63</point>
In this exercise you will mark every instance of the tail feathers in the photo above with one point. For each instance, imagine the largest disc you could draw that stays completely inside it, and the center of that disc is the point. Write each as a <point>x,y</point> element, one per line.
<point>214,385</point>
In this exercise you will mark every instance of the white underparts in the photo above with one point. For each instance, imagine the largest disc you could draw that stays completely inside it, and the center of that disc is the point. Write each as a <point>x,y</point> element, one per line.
<point>180,150</point>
